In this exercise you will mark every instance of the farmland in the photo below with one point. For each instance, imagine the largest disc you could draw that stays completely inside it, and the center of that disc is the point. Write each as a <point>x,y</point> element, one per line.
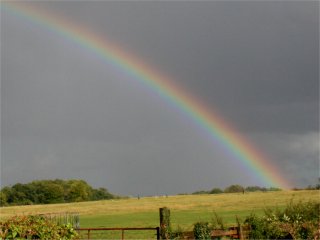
<point>185,209</point>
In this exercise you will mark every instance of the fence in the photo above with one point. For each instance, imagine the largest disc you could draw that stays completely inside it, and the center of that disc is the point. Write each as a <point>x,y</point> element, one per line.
<point>240,232</point>
<point>90,230</point>
<point>72,218</point>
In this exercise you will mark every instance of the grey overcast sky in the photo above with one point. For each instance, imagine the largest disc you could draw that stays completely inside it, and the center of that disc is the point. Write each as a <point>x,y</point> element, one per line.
<point>67,114</point>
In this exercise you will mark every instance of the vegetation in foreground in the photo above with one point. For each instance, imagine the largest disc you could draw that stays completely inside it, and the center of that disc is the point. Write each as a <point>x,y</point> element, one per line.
<point>297,220</point>
<point>35,227</point>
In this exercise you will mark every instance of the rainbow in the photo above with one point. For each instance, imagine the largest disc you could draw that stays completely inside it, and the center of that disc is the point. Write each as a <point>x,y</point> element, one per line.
<point>218,129</point>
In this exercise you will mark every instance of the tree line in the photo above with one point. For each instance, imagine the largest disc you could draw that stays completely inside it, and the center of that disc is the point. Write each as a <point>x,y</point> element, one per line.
<point>237,189</point>
<point>52,191</point>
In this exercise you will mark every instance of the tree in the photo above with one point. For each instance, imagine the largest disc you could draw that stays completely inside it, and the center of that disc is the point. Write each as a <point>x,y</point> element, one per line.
<point>78,191</point>
<point>200,192</point>
<point>18,195</point>
<point>255,189</point>
<point>318,184</point>
<point>52,193</point>
<point>234,189</point>
<point>216,191</point>
<point>3,199</point>
<point>101,193</point>
<point>7,192</point>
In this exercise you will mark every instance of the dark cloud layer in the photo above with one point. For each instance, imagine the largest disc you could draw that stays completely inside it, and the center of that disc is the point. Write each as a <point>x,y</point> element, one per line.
<point>66,114</point>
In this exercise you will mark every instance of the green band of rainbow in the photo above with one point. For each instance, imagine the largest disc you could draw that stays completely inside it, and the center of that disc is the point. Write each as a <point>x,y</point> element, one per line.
<point>208,119</point>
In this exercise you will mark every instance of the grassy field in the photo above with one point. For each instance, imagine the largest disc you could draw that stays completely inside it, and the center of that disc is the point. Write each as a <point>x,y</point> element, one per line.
<point>185,209</point>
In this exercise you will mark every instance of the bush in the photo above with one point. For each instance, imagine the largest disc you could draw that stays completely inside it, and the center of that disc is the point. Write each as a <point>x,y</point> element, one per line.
<point>35,227</point>
<point>177,233</point>
<point>298,221</point>
<point>202,230</point>
<point>217,222</point>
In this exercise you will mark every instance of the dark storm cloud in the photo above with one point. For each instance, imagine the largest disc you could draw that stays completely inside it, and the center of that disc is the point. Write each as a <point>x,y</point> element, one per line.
<point>241,56</point>
<point>66,114</point>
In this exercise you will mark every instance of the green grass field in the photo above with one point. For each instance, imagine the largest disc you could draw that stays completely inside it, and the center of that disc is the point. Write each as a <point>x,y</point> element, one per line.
<point>185,209</point>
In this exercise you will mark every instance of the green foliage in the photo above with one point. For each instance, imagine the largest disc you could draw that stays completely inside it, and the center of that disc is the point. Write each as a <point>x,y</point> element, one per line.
<point>216,191</point>
<point>101,193</point>
<point>51,191</point>
<point>200,192</point>
<point>213,191</point>
<point>238,189</point>
<point>177,233</point>
<point>261,189</point>
<point>234,189</point>
<point>35,227</point>
<point>78,190</point>
<point>274,189</point>
<point>217,222</point>
<point>202,230</point>
<point>298,221</point>
<point>255,189</point>
<point>3,199</point>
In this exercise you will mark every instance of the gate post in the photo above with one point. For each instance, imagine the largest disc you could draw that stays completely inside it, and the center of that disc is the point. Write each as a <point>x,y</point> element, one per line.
<point>165,227</point>
<point>158,233</point>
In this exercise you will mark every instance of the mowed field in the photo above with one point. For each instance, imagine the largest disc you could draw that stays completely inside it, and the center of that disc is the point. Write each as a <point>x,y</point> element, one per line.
<point>185,209</point>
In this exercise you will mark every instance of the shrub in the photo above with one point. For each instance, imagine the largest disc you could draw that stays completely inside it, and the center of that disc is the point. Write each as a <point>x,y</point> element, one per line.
<point>177,233</point>
<point>35,227</point>
<point>202,230</point>
<point>217,222</point>
<point>298,221</point>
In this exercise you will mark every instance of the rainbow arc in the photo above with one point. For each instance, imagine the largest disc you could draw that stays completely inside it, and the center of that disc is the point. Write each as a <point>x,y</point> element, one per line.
<point>206,118</point>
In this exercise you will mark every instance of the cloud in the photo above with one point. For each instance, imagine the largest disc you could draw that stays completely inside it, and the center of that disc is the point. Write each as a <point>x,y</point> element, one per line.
<point>298,155</point>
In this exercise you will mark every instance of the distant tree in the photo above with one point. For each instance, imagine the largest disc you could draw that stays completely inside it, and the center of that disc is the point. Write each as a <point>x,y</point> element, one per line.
<point>272,189</point>
<point>200,192</point>
<point>234,189</point>
<point>51,191</point>
<point>3,199</point>
<point>7,191</point>
<point>19,195</point>
<point>31,192</point>
<point>100,194</point>
<point>216,191</point>
<point>318,186</point>
<point>78,191</point>
<point>315,187</point>
<point>254,189</point>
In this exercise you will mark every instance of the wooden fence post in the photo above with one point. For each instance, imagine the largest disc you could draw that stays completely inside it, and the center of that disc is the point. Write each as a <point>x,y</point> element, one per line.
<point>165,227</point>
<point>158,233</point>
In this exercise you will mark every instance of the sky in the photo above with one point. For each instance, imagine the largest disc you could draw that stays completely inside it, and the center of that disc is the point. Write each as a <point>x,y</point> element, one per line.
<point>65,113</point>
